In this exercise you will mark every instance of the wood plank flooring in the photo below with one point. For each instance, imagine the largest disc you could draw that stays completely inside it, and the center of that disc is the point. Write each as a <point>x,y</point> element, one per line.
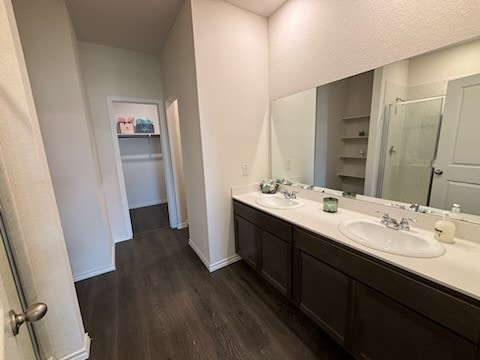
<point>162,303</point>
<point>149,218</point>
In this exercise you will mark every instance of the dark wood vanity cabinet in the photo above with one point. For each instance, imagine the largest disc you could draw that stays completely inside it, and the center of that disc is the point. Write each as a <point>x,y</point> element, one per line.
<point>375,310</point>
<point>265,243</point>
<point>385,329</point>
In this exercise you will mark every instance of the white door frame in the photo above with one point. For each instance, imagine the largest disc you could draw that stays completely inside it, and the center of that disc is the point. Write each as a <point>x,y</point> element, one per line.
<point>167,162</point>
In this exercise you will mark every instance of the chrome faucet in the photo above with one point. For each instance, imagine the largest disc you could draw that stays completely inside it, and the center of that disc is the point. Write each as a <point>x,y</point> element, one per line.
<point>288,194</point>
<point>418,208</point>
<point>392,223</point>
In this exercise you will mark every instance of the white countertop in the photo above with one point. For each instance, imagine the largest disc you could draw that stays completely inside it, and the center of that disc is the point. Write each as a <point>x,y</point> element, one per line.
<point>458,268</point>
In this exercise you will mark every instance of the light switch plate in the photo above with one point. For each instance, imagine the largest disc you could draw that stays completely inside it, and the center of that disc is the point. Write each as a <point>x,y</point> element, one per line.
<point>245,169</point>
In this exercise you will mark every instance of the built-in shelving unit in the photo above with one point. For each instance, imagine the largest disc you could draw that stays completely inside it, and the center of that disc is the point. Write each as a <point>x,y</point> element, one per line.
<point>352,158</point>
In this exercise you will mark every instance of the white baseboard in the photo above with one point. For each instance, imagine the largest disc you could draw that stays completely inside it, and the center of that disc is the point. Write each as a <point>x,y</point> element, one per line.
<point>81,354</point>
<point>92,273</point>
<point>216,265</point>
<point>122,238</point>
<point>199,253</point>
<point>225,262</point>
<point>147,203</point>
<point>182,225</point>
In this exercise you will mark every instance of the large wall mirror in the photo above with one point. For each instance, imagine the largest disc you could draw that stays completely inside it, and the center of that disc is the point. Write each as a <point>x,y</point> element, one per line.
<point>408,133</point>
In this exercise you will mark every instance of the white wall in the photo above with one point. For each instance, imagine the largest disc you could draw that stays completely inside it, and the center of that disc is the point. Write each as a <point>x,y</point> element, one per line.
<point>29,206</point>
<point>293,136</point>
<point>142,164</point>
<point>111,71</point>
<point>314,42</point>
<point>231,52</point>
<point>50,50</point>
<point>180,83</point>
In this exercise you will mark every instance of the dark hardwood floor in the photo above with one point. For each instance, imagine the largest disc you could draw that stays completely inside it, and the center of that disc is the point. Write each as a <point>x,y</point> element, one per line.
<point>149,218</point>
<point>162,303</point>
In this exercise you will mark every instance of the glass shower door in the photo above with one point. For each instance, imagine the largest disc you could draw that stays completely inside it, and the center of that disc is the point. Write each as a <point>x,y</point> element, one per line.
<point>410,140</point>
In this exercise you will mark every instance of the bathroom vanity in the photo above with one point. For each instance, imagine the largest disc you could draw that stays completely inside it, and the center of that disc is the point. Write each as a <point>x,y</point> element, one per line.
<point>376,305</point>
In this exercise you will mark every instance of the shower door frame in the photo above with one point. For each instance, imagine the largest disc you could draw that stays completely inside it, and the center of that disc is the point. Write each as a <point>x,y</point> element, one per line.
<point>385,131</point>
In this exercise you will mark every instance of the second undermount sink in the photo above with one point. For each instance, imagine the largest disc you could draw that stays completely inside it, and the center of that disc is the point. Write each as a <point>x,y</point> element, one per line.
<point>279,202</point>
<point>375,235</point>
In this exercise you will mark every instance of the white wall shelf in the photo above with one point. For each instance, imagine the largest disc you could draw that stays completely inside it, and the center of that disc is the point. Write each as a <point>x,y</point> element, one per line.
<point>353,137</point>
<point>351,176</point>
<point>356,117</point>
<point>123,136</point>
<point>360,157</point>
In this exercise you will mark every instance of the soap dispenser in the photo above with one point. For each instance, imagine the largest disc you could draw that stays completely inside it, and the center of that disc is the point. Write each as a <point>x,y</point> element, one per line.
<point>455,213</point>
<point>444,229</point>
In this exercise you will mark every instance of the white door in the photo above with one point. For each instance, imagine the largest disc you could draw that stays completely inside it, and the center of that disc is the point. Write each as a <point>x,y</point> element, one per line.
<point>456,176</point>
<point>12,347</point>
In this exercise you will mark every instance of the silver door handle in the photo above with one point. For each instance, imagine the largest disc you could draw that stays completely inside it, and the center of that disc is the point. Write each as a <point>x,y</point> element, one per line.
<point>34,313</point>
<point>438,171</point>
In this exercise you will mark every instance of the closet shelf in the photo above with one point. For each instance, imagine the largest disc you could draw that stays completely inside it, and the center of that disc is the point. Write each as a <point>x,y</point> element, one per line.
<point>361,157</point>
<point>351,176</point>
<point>353,137</point>
<point>131,136</point>
<point>356,117</point>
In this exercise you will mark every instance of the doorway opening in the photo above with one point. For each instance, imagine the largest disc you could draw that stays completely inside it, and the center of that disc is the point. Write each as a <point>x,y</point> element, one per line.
<point>143,160</point>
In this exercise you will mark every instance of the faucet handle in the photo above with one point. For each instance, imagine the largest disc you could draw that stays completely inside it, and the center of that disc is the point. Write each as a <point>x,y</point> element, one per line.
<point>386,216</point>
<point>405,223</point>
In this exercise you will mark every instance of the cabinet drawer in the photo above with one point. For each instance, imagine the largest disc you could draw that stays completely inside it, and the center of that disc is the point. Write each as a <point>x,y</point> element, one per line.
<point>267,222</point>
<point>427,298</point>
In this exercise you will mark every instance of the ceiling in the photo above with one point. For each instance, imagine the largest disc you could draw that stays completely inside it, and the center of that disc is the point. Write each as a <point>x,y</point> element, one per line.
<point>140,25</point>
<point>264,8</point>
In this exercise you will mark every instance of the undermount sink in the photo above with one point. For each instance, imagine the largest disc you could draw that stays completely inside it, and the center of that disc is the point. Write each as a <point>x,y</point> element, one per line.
<point>375,235</point>
<point>279,202</point>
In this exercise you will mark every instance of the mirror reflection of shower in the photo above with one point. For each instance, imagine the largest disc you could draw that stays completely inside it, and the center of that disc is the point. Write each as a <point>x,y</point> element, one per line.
<point>410,139</point>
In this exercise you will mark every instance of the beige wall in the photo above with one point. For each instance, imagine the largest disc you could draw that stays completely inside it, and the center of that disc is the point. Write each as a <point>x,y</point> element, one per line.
<point>29,206</point>
<point>111,71</point>
<point>51,54</point>
<point>448,64</point>
<point>314,42</point>
<point>180,83</point>
<point>231,52</point>
<point>293,136</point>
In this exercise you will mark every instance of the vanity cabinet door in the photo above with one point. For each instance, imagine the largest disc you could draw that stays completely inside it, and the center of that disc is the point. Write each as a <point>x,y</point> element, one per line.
<point>385,329</point>
<point>246,243</point>
<point>324,294</point>
<point>276,262</point>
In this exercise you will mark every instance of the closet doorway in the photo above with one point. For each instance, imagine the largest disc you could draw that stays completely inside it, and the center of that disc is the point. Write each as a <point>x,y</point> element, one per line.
<point>142,155</point>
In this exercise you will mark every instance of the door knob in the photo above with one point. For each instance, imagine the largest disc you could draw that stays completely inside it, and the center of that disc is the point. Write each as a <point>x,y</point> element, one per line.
<point>438,171</point>
<point>34,313</point>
